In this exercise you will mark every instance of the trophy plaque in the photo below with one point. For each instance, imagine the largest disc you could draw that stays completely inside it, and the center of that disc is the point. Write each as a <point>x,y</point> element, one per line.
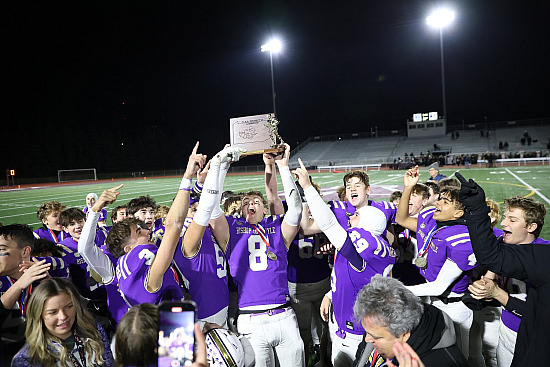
<point>257,134</point>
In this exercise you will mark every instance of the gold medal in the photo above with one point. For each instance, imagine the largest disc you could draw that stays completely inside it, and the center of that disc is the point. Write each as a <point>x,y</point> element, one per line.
<point>271,255</point>
<point>421,262</point>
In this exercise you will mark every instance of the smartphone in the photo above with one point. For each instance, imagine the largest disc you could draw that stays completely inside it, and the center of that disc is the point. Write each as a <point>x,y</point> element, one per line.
<point>176,329</point>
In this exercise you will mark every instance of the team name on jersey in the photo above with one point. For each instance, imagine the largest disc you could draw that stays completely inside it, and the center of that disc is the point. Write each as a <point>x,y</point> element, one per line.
<point>248,230</point>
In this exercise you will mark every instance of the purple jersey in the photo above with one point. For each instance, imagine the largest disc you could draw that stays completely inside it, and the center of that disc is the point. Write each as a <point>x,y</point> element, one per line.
<point>362,256</point>
<point>12,328</point>
<point>116,304</point>
<point>516,288</point>
<point>58,267</point>
<point>343,210</point>
<point>304,264</point>
<point>206,274</point>
<point>101,235</point>
<point>158,233</point>
<point>258,270</point>
<point>80,271</point>
<point>132,272</point>
<point>102,214</point>
<point>50,235</point>
<point>445,243</point>
<point>498,232</point>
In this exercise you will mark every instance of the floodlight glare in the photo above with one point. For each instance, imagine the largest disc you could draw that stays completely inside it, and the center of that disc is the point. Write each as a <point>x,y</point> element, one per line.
<point>272,46</point>
<point>440,18</point>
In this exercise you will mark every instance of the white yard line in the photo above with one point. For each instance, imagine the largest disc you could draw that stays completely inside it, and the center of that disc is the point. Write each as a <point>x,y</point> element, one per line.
<point>529,186</point>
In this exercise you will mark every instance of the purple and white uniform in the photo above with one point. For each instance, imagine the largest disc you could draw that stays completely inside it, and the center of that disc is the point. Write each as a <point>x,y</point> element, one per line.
<point>362,256</point>
<point>102,213</point>
<point>12,328</point>
<point>50,235</point>
<point>116,304</point>
<point>132,272</point>
<point>260,280</point>
<point>343,210</point>
<point>446,243</point>
<point>79,271</point>
<point>206,274</point>
<point>259,272</point>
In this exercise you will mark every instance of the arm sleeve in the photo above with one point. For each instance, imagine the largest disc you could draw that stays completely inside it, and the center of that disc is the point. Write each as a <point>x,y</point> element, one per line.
<point>209,198</point>
<point>292,216</point>
<point>447,275</point>
<point>325,218</point>
<point>98,261</point>
<point>515,306</point>
<point>501,259</point>
<point>217,210</point>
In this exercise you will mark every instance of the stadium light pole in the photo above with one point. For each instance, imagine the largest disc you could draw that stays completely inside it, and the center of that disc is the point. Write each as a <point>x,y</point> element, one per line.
<point>273,46</point>
<point>441,18</point>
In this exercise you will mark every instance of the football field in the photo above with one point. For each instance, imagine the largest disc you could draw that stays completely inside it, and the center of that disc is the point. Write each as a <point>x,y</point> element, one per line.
<point>19,205</point>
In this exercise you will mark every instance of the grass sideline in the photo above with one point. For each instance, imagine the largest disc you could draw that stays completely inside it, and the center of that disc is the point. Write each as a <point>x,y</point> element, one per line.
<point>19,205</point>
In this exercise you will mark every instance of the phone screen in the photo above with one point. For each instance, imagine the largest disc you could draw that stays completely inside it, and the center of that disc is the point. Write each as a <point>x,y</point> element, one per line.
<point>176,335</point>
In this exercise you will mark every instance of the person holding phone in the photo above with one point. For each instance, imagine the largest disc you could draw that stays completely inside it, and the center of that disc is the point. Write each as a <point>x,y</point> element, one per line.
<point>60,330</point>
<point>136,339</point>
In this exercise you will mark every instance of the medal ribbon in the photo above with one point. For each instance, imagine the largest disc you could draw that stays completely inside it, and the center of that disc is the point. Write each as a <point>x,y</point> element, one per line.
<point>24,299</point>
<point>54,237</point>
<point>426,245</point>
<point>261,232</point>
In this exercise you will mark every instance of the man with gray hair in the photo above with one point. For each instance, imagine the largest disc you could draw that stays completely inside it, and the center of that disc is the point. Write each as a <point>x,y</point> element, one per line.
<point>390,313</point>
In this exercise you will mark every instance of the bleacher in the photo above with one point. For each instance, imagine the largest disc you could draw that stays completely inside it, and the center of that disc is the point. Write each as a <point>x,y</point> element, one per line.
<point>513,136</point>
<point>336,151</point>
<point>469,141</point>
<point>348,151</point>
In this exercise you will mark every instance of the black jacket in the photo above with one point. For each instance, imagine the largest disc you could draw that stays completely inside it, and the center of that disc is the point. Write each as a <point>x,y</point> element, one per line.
<point>434,341</point>
<point>530,264</point>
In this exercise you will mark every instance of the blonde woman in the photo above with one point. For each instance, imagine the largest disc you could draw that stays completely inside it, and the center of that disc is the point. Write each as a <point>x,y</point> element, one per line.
<point>60,331</point>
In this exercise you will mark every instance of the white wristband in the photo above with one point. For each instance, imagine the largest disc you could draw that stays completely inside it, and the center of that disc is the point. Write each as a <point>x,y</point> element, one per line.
<point>185,184</point>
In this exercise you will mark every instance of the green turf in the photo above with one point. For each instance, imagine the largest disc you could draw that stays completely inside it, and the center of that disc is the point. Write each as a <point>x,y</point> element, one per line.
<point>19,206</point>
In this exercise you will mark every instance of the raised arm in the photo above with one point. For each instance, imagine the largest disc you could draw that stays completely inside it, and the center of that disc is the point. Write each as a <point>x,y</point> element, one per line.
<point>218,221</point>
<point>501,259</point>
<point>324,217</point>
<point>291,221</point>
<point>402,215</point>
<point>174,223</point>
<point>209,200</point>
<point>94,257</point>
<point>273,200</point>
<point>38,271</point>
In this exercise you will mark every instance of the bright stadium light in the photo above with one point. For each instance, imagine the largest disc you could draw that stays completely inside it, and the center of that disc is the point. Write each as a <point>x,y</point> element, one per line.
<point>439,19</point>
<point>273,46</point>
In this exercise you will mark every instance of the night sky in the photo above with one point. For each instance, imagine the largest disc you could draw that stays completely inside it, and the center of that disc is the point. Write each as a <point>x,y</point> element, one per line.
<point>82,77</point>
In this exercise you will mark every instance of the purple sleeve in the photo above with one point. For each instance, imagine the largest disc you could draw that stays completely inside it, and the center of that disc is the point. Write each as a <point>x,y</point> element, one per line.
<point>342,211</point>
<point>350,253</point>
<point>460,251</point>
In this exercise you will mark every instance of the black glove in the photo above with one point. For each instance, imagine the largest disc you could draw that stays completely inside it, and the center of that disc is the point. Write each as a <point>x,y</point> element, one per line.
<point>472,303</point>
<point>472,196</point>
